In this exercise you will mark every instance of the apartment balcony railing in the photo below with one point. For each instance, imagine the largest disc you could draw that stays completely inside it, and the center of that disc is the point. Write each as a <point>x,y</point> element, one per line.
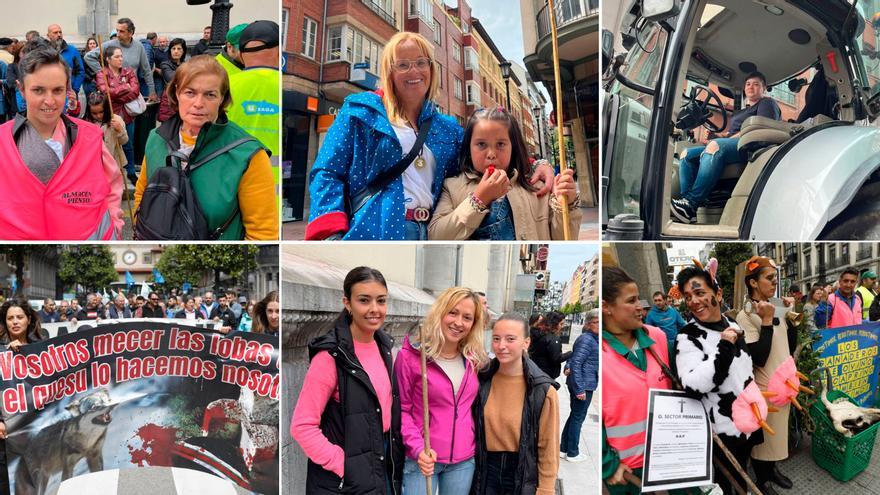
<point>567,11</point>
<point>390,18</point>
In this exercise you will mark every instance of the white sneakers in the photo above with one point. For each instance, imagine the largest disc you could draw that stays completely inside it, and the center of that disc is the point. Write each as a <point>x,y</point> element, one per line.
<point>578,458</point>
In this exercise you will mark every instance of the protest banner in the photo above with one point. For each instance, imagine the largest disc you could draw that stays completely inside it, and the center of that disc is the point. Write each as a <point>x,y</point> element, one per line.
<point>850,353</point>
<point>142,393</point>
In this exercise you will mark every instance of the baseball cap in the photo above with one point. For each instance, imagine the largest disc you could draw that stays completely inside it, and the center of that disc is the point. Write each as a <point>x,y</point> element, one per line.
<point>234,33</point>
<point>869,274</point>
<point>5,41</point>
<point>265,31</point>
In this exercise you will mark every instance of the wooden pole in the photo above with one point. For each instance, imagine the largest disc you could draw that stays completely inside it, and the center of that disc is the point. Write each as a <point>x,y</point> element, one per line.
<point>426,432</point>
<point>563,202</point>
<point>110,102</point>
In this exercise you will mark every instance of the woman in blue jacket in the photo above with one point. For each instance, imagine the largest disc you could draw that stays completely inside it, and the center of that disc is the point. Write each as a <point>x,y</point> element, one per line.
<point>582,369</point>
<point>370,134</point>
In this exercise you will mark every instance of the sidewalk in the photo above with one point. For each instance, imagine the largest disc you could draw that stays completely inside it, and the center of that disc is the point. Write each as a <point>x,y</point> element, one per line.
<point>581,478</point>
<point>296,231</point>
<point>810,479</point>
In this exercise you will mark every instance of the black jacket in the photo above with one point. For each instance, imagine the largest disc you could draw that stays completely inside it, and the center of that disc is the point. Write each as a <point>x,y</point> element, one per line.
<point>355,423</point>
<point>227,317</point>
<point>147,312</point>
<point>546,352</point>
<point>537,384</point>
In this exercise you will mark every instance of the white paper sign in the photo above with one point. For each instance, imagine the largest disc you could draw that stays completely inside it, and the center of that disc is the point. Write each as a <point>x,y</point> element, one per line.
<point>678,444</point>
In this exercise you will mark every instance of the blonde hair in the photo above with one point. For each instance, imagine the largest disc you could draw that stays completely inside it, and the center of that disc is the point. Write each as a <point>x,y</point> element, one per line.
<point>392,105</point>
<point>472,346</point>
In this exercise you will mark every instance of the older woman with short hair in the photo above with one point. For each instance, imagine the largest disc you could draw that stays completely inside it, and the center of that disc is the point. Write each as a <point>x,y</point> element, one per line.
<point>228,168</point>
<point>368,182</point>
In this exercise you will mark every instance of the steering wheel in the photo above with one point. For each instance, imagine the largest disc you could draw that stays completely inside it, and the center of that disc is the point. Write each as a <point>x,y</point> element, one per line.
<point>696,111</point>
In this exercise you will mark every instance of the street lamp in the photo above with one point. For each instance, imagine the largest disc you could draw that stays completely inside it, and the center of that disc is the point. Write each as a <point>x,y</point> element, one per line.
<point>539,114</point>
<point>505,73</point>
<point>219,23</point>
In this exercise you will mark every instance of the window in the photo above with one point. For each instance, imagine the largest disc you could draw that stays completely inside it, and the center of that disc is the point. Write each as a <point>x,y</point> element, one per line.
<point>285,14</point>
<point>148,258</point>
<point>457,88</point>
<point>456,51</point>
<point>782,94</point>
<point>334,43</point>
<point>438,32</point>
<point>422,9</point>
<point>310,33</point>
<point>346,43</point>
<point>473,93</point>
<point>440,74</point>
<point>471,59</point>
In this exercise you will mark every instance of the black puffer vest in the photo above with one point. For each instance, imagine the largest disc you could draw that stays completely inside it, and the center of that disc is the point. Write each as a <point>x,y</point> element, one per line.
<point>355,423</point>
<point>537,384</point>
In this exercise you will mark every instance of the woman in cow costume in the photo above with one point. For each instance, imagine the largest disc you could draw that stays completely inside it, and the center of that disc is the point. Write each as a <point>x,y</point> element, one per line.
<point>714,364</point>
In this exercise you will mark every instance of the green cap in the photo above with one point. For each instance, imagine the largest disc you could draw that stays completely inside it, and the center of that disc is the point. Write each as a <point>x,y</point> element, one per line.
<point>869,274</point>
<point>234,34</point>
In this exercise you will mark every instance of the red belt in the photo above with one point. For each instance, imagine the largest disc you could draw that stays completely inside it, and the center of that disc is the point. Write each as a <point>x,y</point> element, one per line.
<point>418,214</point>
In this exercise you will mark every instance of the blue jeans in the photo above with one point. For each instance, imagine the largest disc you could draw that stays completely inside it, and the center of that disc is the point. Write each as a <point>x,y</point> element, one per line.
<point>128,148</point>
<point>571,433</point>
<point>698,171</point>
<point>416,231</point>
<point>449,479</point>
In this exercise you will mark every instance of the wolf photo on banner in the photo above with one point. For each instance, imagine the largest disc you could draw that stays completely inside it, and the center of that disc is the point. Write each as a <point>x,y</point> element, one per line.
<point>138,394</point>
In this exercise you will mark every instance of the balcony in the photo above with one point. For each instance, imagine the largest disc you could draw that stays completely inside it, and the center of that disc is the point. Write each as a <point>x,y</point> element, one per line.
<point>390,18</point>
<point>567,11</point>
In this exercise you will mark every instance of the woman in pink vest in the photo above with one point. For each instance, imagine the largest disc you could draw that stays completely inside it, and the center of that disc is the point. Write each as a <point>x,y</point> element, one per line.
<point>630,368</point>
<point>453,343</point>
<point>59,180</point>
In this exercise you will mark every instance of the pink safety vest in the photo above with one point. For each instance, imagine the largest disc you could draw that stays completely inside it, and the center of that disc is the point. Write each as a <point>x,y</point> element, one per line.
<point>72,206</point>
<point>625,397</point>
<point>842,315</point>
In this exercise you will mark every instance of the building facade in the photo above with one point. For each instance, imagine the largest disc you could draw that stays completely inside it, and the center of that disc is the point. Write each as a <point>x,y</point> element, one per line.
<point>810,263</point>
<point>577,25</point>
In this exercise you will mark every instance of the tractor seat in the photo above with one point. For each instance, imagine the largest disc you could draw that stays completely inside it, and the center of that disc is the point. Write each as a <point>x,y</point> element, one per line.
<point>760,132</point>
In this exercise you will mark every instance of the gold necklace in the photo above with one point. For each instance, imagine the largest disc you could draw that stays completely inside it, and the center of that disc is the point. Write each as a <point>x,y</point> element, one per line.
<point>419,161</point>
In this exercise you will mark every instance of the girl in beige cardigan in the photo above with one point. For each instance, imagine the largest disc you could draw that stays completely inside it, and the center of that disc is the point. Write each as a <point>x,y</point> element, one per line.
<point>492,198</point>
<point>112,125</point>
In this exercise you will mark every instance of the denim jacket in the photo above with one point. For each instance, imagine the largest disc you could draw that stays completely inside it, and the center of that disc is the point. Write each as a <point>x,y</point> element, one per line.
<point>359,145</point>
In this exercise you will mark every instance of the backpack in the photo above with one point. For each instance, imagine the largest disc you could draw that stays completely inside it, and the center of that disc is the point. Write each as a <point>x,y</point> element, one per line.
<point>169,209</point>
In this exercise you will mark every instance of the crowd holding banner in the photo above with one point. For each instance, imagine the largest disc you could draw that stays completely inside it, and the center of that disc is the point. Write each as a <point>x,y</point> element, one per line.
<point>142,393</point>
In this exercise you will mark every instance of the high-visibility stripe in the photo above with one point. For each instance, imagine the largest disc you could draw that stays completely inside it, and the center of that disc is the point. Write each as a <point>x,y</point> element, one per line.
<point>636,450</point>
<point>626,430</point>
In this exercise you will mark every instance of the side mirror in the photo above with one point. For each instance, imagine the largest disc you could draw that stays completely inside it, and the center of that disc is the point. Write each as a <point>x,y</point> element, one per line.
<point>607,48</point>
<point>658,10</point>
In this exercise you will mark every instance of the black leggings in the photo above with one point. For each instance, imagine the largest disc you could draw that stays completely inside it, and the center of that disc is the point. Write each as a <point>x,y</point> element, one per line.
<point>741,452</point>
<point>501,472</point>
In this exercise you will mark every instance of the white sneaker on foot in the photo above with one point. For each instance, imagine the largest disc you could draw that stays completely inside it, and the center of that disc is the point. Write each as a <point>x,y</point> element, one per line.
<point>562,455</point>
<point>578,458</point>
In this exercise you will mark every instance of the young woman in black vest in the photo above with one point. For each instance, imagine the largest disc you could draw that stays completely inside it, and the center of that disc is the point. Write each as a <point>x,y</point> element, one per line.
<point>516,418</point>
<point>347,417</point>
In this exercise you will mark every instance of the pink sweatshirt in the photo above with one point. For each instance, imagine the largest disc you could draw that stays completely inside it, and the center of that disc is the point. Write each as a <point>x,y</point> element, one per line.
<point>319,387</point>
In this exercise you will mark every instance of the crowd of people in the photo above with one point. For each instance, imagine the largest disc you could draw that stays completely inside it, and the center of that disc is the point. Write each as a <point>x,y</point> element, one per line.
<point>232,312</point>
<point>493,413</point>
<point>129,104</point>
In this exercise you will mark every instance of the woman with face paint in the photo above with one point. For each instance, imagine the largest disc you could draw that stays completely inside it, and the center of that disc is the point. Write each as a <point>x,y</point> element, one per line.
<point>713,363</point>
<point>347,417</point>
<point>771,342</point>
<point>453,344</point>
<point>517,418</point>
<point>631,357</point>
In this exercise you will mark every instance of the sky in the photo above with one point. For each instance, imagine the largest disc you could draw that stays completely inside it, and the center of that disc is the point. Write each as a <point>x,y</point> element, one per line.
<point>564,258</point>
<point>504,26</point>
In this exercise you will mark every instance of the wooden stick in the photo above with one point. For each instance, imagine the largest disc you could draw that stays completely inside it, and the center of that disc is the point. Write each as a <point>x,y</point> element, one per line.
<point>117,148</point>
<point>426,418</point>
<point>563,202</point>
